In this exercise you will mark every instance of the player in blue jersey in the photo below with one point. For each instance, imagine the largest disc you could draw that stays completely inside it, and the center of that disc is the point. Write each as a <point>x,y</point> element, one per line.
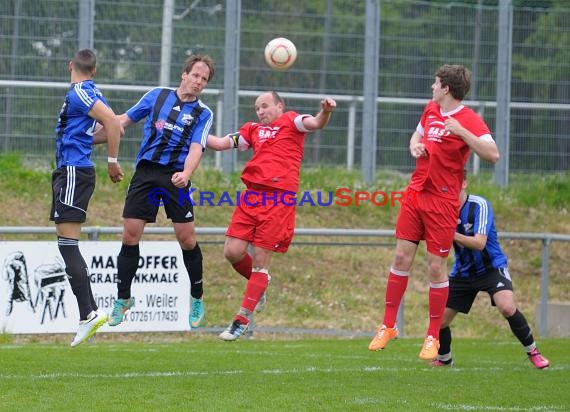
<point>175,135</point>
<point>481,266</point>
<point>73,180</point>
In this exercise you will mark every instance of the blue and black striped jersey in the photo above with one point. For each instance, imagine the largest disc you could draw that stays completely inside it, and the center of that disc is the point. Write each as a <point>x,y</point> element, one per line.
<point>74,130</point>
<point>477,217</point>
<point>170,126</point>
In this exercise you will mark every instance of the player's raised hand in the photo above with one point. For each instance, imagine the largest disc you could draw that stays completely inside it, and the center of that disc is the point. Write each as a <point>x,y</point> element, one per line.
<point>328,104</point>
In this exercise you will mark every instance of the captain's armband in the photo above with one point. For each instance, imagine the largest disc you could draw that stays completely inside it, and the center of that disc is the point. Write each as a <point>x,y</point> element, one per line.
<point>234,139</point>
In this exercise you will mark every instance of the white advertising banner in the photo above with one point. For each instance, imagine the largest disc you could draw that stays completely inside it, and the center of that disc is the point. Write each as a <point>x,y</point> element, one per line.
<point>35,295</point>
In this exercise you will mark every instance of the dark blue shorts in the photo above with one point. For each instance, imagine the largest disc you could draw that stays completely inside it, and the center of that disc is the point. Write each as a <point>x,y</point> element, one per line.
<point>462,291</point>
<point>72,188</point>
<point>151,188</point>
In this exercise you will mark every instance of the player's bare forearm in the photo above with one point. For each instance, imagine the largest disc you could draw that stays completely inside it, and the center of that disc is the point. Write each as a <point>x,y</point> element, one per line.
<point>417,147</point>
<point>486,149</point>
<point>180,179</point>
<point>477,242</point>
<point>321,119</point>
<point>220,143</point>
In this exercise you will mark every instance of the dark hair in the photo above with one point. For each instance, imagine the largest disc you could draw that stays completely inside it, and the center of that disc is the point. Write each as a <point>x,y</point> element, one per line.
<point>456,77</point>
<point>276,98</point>
<point>195,58</point>
<point>84,61</point>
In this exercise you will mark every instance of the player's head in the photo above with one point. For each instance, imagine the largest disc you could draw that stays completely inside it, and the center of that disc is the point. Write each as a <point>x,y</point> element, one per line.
<point>269,106</point>
<point>195,58</point>
<point>456,78</point>
<point>84,62</point>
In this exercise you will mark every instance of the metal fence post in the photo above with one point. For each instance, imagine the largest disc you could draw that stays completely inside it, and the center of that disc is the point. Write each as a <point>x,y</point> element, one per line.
<point>544,287</point>
<point>503,114</point>
<point>350,135</point>
<point>370,92</point>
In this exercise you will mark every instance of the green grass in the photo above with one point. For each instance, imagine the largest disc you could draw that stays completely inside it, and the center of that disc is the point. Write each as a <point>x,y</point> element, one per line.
<point>331,287</point>
<point>203,374</point>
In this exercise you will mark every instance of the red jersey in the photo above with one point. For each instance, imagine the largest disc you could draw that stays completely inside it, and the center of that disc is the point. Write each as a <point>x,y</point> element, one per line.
<point>441,172</point>
<point>277,152</point>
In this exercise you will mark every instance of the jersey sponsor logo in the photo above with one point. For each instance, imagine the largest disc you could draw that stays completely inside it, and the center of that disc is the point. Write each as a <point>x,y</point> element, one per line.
<point>187,119</point>
<point>436,133</point>
<point>266,133</point>
<point>163,125</point>
<point>177,108</point>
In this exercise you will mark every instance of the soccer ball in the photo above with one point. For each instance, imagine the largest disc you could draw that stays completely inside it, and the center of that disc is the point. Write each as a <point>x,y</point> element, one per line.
<point>280,53</point>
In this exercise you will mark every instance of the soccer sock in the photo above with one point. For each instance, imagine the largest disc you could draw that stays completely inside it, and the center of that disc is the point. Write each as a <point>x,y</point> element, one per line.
<point>438,293</point>
<point>127,264</point>
<point>77,272</point>
<point>256,286</point>
<point>521,330</point>
<point>444,344</point>
<point>395,289</point>
<point>91,298</point>
<point>243,267</point>
<point>193,263</point>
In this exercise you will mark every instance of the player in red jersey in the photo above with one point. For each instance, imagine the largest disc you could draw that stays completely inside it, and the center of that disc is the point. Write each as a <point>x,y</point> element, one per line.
<point>447,131</point>
<point>265,214</point>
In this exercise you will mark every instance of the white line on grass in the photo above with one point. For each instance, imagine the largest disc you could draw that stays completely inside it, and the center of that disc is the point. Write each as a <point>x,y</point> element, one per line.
<point>308,369</point>
<point>463,407</point>
<point>136,375</point>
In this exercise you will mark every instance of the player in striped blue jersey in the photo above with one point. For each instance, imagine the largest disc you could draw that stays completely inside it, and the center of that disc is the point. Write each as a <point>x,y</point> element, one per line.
<point>481,266</point>
<point>175,135</point>
<point>73,180</point>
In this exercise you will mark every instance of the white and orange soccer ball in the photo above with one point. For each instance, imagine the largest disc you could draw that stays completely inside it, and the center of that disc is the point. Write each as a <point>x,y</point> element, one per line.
<point>280,53</point>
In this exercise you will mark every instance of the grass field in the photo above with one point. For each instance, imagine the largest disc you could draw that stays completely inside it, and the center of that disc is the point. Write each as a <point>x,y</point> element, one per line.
<point>203,374</point>
<point>315,287</point>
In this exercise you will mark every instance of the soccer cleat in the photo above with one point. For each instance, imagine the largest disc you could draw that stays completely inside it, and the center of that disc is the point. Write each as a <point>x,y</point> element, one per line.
<point>234,331</point>
<point>120,307</point>
<point>429,349</point>
<point>538,361</point>
<point>261,304</point>
<point>446,364</point>
<point>88,327</point>
<point>382,337</point>
<point>196,317</point>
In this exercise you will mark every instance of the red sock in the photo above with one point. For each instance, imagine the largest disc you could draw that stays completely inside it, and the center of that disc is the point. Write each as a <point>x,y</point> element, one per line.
<point>438,293</point>
<point>395,289</point>
<point>243,267</point>
<point>256,286</point>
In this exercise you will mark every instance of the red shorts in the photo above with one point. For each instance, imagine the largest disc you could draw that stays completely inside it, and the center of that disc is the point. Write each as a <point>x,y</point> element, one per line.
<point>426,216</point>
<point>262,221</point>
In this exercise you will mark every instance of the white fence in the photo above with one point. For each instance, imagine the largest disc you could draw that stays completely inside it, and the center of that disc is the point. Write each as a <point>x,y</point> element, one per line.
<point>343,143</point>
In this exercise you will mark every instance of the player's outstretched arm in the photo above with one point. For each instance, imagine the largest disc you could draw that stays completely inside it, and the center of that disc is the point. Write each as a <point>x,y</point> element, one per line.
<point>229,141</point>
<point>100,135</point>
<point>321,119</point>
